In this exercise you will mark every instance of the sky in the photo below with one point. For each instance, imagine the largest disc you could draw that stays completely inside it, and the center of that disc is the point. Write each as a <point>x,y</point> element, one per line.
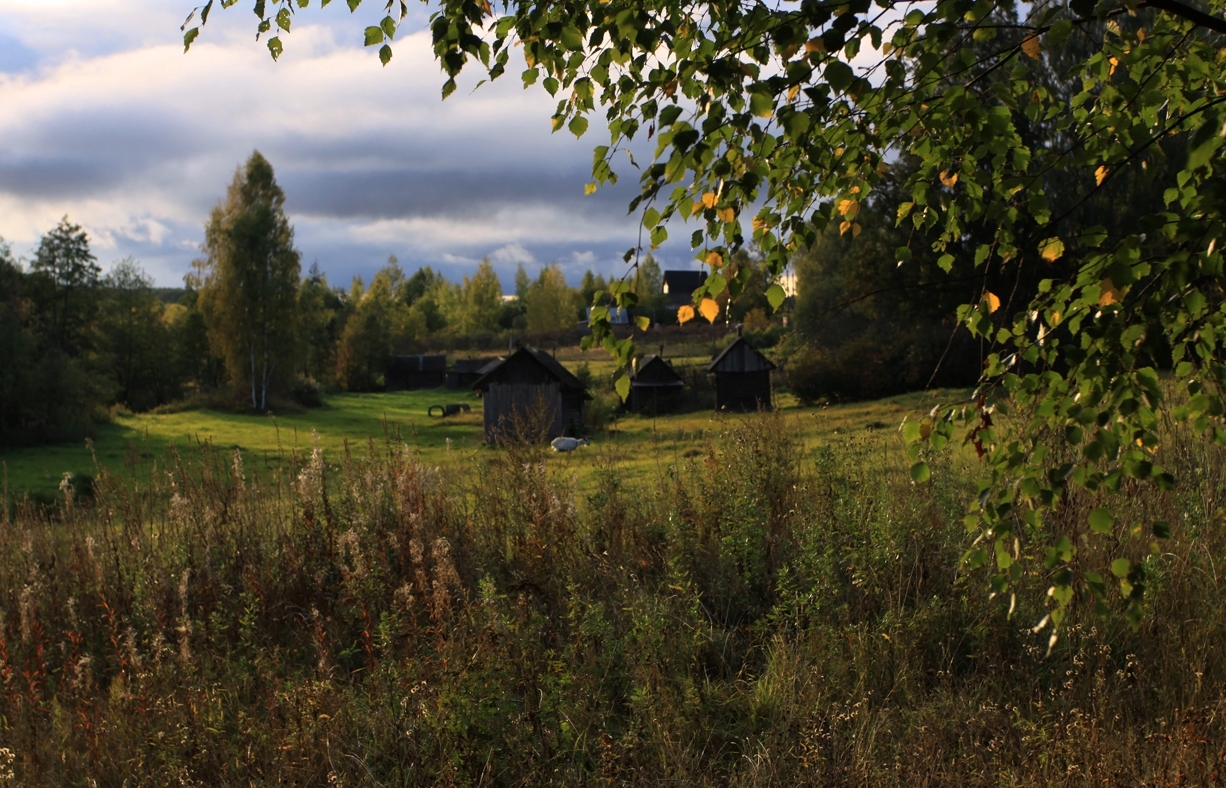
<point>108,122</point>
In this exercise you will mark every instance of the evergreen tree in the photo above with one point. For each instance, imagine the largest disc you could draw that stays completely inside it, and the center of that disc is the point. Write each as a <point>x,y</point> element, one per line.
<point>66,276</point>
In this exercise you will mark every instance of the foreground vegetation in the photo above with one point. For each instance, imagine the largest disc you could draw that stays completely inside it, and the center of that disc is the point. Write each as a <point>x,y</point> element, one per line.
<point>755,614</point>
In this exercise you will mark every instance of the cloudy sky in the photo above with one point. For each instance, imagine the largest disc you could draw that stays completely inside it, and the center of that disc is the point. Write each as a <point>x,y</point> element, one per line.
<point>106,120</point>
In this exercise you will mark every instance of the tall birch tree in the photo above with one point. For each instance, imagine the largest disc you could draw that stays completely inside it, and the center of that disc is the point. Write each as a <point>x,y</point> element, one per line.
<point>249,281</point>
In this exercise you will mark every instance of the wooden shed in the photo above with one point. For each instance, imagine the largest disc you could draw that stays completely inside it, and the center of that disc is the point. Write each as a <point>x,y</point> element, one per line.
<point>742,378</point>
<point>407,373</point>
<point>679,286</point>
<point>655,387</point>
<point>530,388</point>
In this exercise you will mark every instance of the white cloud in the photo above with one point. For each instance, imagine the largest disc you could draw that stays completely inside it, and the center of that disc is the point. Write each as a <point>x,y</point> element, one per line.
<point>136,141</point>
<point>514,254</point>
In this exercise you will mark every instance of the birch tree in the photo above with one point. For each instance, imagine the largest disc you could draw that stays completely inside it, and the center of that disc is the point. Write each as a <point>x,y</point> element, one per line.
<point>249,281</point>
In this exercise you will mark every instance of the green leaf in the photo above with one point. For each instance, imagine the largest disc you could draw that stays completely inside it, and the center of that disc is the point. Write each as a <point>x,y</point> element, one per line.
<point>643,322</point>
<point>946,262</point>
<point>572,39</point>
<point>920,472</point>
<point>623,387</point>
<point>189,37</point>
<point>1101,521</point>
<point>283,19</point>
<point>1162,529</point>
<point>385,54</point>
<point>388,25</point>
<point>761,105</point>
<point>274,47</point>
<point>1120,567</point>
<point>374,35</point>
<point>578,125</point>
<point>775,296</point>
<point>839,75</point>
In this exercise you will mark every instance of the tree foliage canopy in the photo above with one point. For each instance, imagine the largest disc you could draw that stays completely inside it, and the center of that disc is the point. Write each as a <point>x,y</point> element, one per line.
<point>249,283</point>
<point>796,111</point>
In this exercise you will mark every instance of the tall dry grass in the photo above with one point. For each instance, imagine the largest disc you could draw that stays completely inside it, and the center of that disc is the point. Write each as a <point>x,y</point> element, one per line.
<point>752,617</point>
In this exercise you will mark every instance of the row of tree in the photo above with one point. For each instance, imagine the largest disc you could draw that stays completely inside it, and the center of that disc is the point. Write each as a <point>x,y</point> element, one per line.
<point>248,327</point>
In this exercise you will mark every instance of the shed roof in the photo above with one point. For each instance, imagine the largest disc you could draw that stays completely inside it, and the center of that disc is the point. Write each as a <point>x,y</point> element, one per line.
<point>740,356</point>
<point>527,357</point>
<point>654,371</point>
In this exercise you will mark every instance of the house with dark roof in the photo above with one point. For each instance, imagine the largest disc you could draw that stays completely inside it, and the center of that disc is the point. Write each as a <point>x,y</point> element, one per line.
<point>679,286</point>
<point>529,394</point>
<point>742,378</point>
<point>407,373</point>
<point>655,387</point>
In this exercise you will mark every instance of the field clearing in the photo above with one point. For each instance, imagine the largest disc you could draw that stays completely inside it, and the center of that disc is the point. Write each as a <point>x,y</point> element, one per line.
<point>642,447</point>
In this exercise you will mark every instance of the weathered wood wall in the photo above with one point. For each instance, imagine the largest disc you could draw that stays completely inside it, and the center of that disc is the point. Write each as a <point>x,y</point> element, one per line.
<point>513,408</point>
<point>743,391</point>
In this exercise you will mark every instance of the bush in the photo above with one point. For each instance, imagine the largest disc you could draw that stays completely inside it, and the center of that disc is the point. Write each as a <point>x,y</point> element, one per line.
<point>306,392</point>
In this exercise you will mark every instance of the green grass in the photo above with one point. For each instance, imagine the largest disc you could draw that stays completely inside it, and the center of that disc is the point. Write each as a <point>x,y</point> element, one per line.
<point>640,446</point>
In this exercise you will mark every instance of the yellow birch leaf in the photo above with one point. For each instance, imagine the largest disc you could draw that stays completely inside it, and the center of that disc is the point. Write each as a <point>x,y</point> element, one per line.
<point>709,309</point>
<point>709,199</point>
<point>589,188</point>
<point>726,214</point>
<point>696,209</point>
<point>1100,174</point>
<point>715,259</point>
<point>1052,249</point>
<point>1140,34</point>
<point>844,227</point>
<point>849,208</point>
<point>758,224</point>
<point>1115,61</point>
<point>1031,47</point>
<point>855,229</point>
<point>1055,318</point>
<point>993,301</point>
<point>949,179</point>
<point>1110,293</point>
<point>815,44</point>
<point>685,314</point>
<point>793,92</point>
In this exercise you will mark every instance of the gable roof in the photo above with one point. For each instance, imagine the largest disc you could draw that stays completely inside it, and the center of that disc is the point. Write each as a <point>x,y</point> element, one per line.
<point>655,371</point>
<point>740,356</point>
<point>528,356</point>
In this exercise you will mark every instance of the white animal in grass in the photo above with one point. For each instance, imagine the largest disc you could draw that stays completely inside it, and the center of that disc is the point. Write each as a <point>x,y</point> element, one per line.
<point>568,444</point>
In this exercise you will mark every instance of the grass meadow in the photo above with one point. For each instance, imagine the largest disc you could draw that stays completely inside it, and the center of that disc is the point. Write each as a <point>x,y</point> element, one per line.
<point>746,601</point>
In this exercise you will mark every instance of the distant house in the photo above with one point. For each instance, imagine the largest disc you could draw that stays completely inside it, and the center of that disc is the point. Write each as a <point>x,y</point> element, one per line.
<point>527,389</point>
<point>679,286</point>
<point>655,387</point>
<point>465,371</point>
<point>617,315</point>
<point>407,373</point>
<point>742,378</point>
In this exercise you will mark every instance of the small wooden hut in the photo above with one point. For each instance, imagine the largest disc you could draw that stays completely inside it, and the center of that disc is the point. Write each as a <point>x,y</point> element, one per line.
<point>529,389</point>
<point>655,387</point>
<point>407,373</point>
<point>742,378</point>
<point>679,286</point>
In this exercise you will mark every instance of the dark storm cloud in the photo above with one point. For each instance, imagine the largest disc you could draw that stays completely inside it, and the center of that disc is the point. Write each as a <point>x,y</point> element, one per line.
<point>408,193</point>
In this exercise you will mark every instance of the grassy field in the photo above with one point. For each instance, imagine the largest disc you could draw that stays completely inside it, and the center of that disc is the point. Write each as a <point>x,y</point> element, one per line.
<point>134,444</point>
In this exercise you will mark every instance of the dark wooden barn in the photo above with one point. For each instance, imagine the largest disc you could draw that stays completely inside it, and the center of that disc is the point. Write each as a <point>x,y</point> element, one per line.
<point>679,286</point>
<point>407,373</point>
<point>742,378</point>
<point>655,387</point>
<point>465,371</point>
<point>530,389</point>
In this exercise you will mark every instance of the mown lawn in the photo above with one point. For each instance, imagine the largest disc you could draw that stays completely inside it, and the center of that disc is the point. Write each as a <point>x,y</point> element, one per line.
<point>135,445</point>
